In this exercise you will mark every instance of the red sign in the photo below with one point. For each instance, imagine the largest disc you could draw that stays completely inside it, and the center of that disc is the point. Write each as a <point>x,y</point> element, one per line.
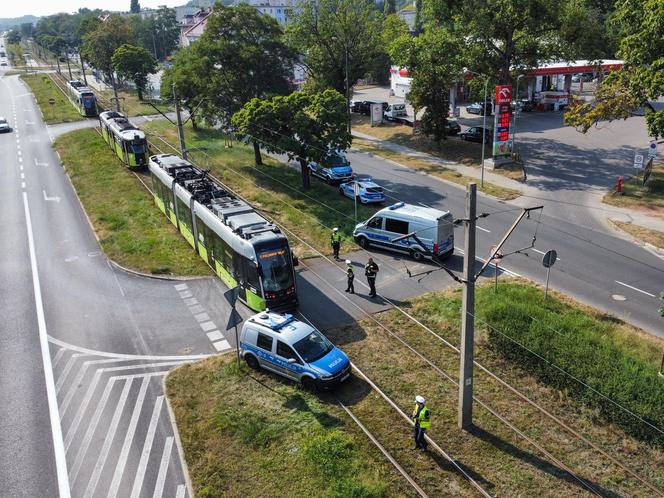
<point>503,94</point>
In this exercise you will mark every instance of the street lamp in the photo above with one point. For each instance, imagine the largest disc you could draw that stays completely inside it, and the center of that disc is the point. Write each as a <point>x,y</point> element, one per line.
<point>486,89</point>
<point>516,109</point>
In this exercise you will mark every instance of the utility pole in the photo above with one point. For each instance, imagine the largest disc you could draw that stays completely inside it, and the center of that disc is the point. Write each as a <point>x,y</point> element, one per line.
<point>68,66</point>
<point>183,148</point>
<point>347,88</point>
<point>465,413</point>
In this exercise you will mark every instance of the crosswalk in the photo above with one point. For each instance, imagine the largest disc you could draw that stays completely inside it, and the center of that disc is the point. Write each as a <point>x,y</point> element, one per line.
<point>118,434</point>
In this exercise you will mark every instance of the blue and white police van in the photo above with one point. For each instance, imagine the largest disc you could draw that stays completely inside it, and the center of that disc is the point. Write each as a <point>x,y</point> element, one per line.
<point>434,229</point>
<point>293,349</point>
<point>338,171</point>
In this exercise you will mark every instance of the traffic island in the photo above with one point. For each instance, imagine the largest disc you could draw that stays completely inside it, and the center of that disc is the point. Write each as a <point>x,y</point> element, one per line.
<point>54,105</point>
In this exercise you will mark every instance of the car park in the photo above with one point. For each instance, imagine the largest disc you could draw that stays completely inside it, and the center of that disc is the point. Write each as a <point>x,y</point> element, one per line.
<point>293,349</point>
<point>364,188</point>
<point>474,134</point>
<point>4,126</point>
<point>433,229</point>
<point>479,108</point>
<point>452,128</point>
<point>339,170</point>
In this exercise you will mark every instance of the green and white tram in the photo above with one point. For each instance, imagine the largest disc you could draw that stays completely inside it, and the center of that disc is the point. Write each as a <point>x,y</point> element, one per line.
<point>242,247</point>
<point>127,141</point>
<point>82,97</point>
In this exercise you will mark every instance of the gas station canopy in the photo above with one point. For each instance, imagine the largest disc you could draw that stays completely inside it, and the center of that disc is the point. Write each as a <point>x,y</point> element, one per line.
<point>583,66</point>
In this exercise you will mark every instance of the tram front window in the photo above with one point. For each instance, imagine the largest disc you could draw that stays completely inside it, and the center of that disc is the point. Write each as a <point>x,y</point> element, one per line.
<point>276,269</point>
<point>138,147</point>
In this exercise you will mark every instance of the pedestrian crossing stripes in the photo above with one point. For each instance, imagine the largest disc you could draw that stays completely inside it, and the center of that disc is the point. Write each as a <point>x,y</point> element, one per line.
<point>118,436</point>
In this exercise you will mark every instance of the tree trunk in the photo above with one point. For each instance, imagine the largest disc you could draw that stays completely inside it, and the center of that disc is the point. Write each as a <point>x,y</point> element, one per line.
<point>85,78</point>
<point>139,90</point>
<point>57,59</point>
<point>115,91</point>
<point>257,153</point>
<point>194,124</point>
<point>305,174</point>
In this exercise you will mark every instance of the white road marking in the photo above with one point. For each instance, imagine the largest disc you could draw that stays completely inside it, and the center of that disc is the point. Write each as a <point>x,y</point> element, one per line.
<point>543,253</point>
<point>58,355</point>
<point>63,376</point>
<point>191,301</point>
<point>196,309</point>
<point>71,258</point>
<point>108,440</point>
<point>56,429</point>
<point>147,447</point>
<point>483,229</point>
<point>22,184</point>
<point>47,198</point>
<point>163,467</point>
<point>207,326</point>
<point>185,294</point>
<point>181,287</point>
<point>215,336</point>
<point>22,176</point>
<point>180,491</point>
<point>19,151</point>
<point>202,317</point>
<point>21,167</point>
<point>221,345</point>
<point>129,437</point>
<point>634,288</point>
<point>20,159</point>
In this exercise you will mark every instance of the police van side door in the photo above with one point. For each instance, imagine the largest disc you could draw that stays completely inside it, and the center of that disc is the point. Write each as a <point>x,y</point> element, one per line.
<point>288,361</point>
<point>375,231</point>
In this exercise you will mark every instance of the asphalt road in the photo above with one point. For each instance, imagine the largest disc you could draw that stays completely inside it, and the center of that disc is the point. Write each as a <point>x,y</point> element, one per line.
<point>108,335</point>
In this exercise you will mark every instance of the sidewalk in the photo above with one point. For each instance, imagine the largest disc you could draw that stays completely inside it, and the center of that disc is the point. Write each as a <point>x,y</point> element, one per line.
<point>528,192</point>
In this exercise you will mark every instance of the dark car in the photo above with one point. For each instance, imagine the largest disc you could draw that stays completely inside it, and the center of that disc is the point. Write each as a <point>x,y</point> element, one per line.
<point>478,108</point>
<point>364,106</point>
<point>474,134</point>
<point>452,128</point>
<point>523,105</point>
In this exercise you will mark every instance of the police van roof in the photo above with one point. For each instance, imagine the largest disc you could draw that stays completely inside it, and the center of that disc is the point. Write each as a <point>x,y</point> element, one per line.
<point>411,210</point>
<point>286,325</point>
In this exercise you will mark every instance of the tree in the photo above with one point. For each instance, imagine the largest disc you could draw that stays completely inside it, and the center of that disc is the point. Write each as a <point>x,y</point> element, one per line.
<point>641,79</point>
<point>307,126</point>
<point>13,36</point>
<point>134,63</point>
<point>27,29</point>
<point>433,60</point>
<point>325,30</point>
<point>188,75</point>
<point>134,7</point>
<point>158,34</point>
<point>419,21</point>
<point>390,7</point>
<point>242,56</point>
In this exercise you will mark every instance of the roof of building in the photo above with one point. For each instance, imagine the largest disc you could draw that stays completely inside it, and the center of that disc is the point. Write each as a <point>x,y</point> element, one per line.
<point>581,66</point>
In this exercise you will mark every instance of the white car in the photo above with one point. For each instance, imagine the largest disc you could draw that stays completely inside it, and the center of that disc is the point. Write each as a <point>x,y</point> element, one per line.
<point>4,126</point>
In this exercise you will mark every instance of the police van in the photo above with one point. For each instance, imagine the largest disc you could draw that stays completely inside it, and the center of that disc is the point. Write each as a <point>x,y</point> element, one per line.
<point>434,229</point>
<point>293,349</point>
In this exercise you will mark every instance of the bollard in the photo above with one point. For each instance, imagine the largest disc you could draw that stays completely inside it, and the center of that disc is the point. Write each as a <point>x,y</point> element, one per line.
<point>620,185</point>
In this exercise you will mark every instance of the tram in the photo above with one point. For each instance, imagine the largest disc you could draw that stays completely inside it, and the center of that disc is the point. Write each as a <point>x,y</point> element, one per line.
<point>82,97</point>
<point>127,141</point>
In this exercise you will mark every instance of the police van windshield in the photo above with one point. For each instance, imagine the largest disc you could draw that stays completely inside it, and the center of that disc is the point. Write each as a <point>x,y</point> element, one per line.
<point>276,268</point>
<point>313,347</point>
<point>338,160</point>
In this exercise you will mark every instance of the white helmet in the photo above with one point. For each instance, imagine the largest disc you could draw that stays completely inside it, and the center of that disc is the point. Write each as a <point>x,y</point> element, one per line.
<point>419,399</point>
<point>348,261</point>
<point>335,229</point>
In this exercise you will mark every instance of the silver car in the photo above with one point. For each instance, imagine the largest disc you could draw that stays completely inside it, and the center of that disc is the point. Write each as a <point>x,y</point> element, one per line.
<point>4,126</point>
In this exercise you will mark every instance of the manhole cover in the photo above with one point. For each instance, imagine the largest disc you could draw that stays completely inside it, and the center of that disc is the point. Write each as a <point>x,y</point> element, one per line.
<point>619,297</point>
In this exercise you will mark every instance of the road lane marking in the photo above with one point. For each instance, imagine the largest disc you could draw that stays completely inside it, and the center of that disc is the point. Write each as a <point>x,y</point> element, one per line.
<point>147,447</point>
<point>22,176</point>
<point>108,440</point>
<point>634,288</point>
<point>185,294</point>
<point>181,287</point>
<point>221,345</point>
<point>65,373</point>
<point>23,185</point>
<point>196,309</point>
<point>56,428</point>
<point>180,492</point>
<point>191,301</point>
<point>163,467</point>
<point>543,253</point>
<point>47,198</point>
<point>215,336</point>
<point>129,437</point>
<point>202,317</point>
<point>483,229</point>
<point>58,355</point>
<point>207,326</point>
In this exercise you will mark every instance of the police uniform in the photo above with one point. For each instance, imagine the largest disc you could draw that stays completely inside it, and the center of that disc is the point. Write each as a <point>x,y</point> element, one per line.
<point>335,238</point>
<point>422,419</point>
<point>350,274</point>
<point>370,271</point>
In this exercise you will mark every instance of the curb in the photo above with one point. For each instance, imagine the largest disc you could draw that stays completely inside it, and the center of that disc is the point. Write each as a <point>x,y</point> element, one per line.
<point>656,251</point>
<point>176,435</point>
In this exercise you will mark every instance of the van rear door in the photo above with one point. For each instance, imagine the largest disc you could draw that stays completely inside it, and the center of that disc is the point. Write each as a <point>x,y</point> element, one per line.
<point>445,236</point>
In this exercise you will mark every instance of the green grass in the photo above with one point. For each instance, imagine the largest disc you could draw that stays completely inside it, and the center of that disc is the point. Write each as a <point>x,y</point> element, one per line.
<point>44,88</point>
<point>132,230</point>
<point>252,434</point>
<point>649,198</point>
<point>274,188</point>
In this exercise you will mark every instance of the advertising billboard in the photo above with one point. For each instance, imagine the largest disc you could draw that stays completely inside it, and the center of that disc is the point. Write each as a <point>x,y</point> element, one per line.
<point>502,121</point>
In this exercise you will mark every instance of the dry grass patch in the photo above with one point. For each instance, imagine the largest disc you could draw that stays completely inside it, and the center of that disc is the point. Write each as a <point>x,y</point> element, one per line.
<point>648,198</point>
<point>654,237</point>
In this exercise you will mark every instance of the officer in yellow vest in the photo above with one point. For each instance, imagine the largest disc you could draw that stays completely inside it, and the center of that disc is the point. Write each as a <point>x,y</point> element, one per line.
<point>335,238</point>
<point>422,419</point>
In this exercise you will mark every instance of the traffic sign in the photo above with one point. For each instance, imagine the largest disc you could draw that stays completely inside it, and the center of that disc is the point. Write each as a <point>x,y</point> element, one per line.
<point>51,101</point>
<point>652,150</point>
<point>638,161</point>
<point>549,258</point>
<point>231,296</point>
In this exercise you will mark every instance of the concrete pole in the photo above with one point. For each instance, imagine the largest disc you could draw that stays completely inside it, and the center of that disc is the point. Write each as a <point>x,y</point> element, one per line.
<point>347,88</point>
<point>486,89</point>
<point>183,148</point>
<point>465,412</point>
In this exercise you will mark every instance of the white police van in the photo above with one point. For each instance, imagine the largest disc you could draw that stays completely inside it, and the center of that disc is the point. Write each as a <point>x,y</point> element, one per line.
<point>434,229</point>
<point>292,349</point>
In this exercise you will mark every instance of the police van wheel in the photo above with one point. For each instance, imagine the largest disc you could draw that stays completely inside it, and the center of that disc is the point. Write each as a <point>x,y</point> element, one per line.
<point>363,242</point>
<point>251,361</point>
<point>309,384</point>
<point>417,255</point>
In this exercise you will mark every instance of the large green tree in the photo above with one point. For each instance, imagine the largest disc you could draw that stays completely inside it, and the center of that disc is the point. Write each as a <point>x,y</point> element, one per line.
<point>134,7</point>
<point>640,25</point>
<point>188,76</point>
<point>134,63</point>
<point>306,126</point>
<point>13,36</point>
<point>159,33</point>
<point>433,60</point>
<point>325,31</point>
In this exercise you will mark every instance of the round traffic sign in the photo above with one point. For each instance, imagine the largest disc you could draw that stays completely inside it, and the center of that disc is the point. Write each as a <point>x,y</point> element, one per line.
<point>549,258</point>
<point>51,101</point>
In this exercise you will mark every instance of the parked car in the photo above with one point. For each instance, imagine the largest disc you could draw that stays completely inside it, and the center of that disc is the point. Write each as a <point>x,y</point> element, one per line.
<point>474,134</point>
<point>293,349</point>
<point>479,108</point>
<point>339,171</point>
<point>394,111</point>
<point>366,189</point>
<point>3,63</point>
<point>364,106</point>
<point>452,128</point>
<point>4,126</point>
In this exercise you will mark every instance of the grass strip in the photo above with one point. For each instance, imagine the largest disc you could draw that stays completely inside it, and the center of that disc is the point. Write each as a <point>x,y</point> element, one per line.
<point>249,433</point>
<point>648,197</point>
<point>131,230</point>
<point>44,89</point>
<point>654,237</point>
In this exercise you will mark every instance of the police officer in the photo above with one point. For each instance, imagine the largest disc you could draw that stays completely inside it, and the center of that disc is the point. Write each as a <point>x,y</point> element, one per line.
<point>335,238</point>
<point>350,274</point>
<point>370,271</point>
<point>422,419</point>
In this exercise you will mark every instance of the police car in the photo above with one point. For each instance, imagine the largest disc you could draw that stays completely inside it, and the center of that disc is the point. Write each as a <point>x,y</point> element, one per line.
<point>338,171</point>
<point>366,190</point>
<point>293,349</point>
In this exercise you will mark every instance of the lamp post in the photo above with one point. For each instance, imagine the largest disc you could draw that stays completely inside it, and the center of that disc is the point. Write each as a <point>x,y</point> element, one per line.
<point>347,88</point>
<point>486,89</point>
<point>516,110</point>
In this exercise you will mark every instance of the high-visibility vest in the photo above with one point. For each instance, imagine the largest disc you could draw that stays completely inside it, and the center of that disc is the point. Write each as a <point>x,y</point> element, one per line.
<point>424,417</point>
<point>350,273</point>
<point>335,237</point>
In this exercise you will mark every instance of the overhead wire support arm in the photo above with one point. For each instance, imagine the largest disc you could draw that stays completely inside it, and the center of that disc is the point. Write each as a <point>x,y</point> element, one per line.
<point>413,235</point>
<point>526,211</point>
